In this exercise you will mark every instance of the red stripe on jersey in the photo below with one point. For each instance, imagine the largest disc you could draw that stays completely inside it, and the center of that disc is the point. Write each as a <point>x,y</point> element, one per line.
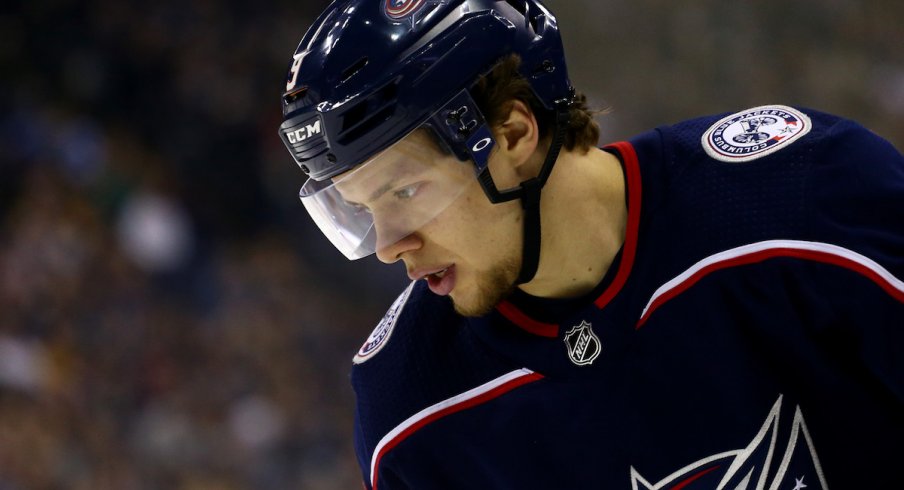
<point>632,175</point>
<point>472,398</point>
<point>761,251</point>
<point>514,315</point>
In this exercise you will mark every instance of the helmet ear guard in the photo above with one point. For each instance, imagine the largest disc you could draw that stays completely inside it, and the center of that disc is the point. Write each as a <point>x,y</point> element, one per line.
<point>462,128</point>
<point>560,124</point>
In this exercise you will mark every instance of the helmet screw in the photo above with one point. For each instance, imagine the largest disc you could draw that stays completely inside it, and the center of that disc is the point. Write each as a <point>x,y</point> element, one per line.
<point>456,114</point>
<point>548,66</point>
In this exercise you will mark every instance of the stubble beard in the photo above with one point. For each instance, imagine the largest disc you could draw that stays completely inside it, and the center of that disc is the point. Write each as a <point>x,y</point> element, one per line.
<point>492,287</point>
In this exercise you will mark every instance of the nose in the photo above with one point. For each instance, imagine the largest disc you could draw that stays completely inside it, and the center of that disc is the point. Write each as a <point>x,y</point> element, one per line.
<point>389,253</point>
<point>395,235</point>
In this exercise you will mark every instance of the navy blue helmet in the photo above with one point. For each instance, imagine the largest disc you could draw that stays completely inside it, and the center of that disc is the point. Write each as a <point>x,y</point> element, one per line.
<point>369,72</point>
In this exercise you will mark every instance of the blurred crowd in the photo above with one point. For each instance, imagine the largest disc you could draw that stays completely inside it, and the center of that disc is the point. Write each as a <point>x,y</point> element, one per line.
<point>169,317</point>
<point>161,326</point>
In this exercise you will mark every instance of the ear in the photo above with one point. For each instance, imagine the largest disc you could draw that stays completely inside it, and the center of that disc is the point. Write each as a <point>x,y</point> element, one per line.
<point>517,140</point>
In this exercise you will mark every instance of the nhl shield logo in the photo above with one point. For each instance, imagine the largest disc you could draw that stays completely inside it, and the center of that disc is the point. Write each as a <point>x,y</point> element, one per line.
<point>583,345</point>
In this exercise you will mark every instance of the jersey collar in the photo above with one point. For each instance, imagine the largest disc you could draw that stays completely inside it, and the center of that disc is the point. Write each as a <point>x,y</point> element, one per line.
<point>538,316</point>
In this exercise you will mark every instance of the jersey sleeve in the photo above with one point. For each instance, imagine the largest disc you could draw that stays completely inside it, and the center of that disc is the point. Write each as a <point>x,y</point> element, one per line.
<point>857,186</point>
<point>857,191</point>
<point>420,355</point>
<point>376,377</point>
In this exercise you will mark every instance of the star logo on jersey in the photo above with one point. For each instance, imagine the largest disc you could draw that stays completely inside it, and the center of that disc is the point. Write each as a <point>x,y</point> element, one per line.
<point>583,345</point>
<point>766,462</point>
<point>755,133</point>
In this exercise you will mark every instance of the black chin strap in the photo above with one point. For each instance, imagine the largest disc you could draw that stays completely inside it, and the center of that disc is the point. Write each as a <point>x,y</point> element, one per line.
<point>530,257</point>
<point>529,193</point>
<point>530,201</point>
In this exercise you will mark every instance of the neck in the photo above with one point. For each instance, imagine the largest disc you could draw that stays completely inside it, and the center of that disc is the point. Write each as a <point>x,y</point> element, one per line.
<point>583,215</point>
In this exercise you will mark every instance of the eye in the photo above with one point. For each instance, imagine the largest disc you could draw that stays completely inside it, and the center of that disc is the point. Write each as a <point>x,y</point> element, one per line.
<point>406,192</point>
<point>358,207</point>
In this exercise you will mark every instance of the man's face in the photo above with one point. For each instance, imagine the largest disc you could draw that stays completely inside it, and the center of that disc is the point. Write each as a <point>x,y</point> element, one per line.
<point>430,212</point>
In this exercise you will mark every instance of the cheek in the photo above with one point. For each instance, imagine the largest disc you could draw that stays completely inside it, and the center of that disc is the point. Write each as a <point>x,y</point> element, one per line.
<point>494,229</point>
<point>478,231</point>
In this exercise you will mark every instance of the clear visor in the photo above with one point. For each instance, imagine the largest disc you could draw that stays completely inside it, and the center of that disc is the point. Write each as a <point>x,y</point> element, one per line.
<point>388,197</point>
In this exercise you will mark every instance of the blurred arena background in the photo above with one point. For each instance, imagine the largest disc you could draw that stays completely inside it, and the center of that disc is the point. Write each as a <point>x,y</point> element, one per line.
<point>171,319</point>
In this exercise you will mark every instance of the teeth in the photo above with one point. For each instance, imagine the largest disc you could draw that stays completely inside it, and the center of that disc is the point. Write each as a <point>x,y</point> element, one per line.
<point>441,273</point>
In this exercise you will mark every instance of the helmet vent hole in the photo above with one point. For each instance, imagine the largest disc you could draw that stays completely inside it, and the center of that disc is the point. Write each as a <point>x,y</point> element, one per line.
<point>429,10</point>
<point>295,95</point>
<point>519,5</point>
<point>368,114</point>
<point>353,69</point>
<point>533,18</point>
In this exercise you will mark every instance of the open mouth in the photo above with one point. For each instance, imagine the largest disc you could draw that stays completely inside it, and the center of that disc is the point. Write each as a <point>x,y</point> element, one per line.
<point>441,282</point>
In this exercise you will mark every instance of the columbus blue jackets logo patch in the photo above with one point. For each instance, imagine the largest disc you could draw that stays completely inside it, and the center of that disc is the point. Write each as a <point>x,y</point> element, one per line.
<point>583,345</point>
<point>381,334</point>
<point>755,133</point>
<point>399,9</point>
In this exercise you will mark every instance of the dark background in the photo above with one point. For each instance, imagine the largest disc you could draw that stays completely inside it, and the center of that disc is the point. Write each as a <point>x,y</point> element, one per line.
<point>169,316</point>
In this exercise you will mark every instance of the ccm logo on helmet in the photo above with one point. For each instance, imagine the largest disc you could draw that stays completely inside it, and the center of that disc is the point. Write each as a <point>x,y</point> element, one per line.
<point>304,132</point>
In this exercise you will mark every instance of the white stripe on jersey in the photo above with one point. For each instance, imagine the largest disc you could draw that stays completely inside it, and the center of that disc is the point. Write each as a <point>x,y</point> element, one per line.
<point>816,248</point>
<point>438,407</point>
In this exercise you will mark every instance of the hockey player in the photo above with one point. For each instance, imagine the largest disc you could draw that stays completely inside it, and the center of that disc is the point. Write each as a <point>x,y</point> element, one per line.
<point>713,304</point>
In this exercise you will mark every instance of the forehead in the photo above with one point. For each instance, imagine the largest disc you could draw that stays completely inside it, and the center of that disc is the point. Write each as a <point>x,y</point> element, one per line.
<point>419,146</point>
<point>417,153</point>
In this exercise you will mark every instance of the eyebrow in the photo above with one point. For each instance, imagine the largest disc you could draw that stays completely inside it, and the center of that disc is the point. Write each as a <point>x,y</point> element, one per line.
<point>399,173</point>
<point>383,189</point>
<point>393,178</point>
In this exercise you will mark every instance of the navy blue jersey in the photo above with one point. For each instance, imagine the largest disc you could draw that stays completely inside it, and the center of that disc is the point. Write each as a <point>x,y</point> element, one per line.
<point>749,334</point>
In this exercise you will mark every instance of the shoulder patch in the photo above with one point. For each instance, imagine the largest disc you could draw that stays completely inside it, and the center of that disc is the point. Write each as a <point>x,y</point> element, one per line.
<point>381,334</point>
<point>755,133</point>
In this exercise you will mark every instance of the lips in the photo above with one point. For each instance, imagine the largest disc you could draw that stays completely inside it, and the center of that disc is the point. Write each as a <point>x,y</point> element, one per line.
<point>441,280</point>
